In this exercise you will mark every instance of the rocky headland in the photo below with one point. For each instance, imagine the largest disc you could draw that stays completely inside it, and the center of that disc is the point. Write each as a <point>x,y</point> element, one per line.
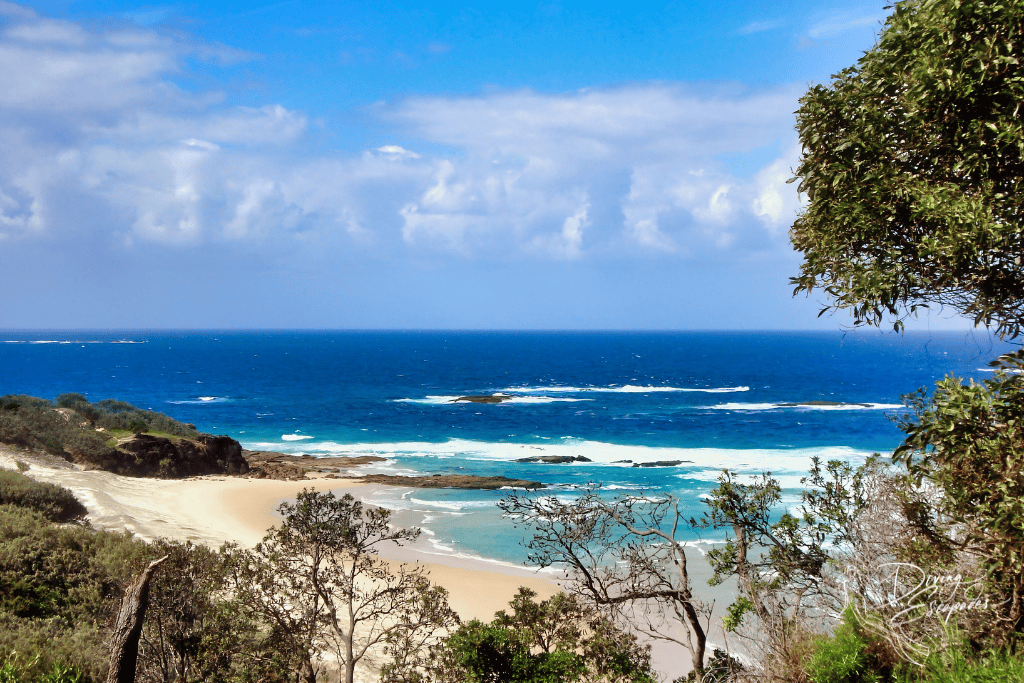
<point>117,437</point>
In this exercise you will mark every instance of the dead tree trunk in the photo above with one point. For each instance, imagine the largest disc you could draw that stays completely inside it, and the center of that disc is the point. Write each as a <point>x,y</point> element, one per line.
<point>124,641</point>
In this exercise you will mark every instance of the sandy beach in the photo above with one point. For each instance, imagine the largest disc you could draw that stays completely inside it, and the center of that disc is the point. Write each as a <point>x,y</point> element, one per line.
<point>213,510</point>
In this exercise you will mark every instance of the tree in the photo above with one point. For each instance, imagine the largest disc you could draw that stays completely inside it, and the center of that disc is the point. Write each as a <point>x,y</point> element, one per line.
<point>913,162</point>
<point>318,581</point>
<point>967,442</point>
<point>781,561</point>
<point>559,640</point>
<point>623,556</point>
<point>124,640</point>
<point>768,552</point>
<point>196,629</point>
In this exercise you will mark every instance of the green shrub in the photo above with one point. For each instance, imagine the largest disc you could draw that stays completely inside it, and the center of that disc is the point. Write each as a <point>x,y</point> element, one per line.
<point>69,572</point>
<point>56,652</point>
<point>71,400</point>
<point>60,587</point>
<point>957,665</point>
<point>67,427</point>
<point>844,658</point>
<point>54,502</point>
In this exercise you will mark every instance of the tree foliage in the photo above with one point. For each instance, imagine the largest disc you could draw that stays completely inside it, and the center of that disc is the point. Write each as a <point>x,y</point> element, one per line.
<point>779,559</point>
<point>318,581</point>
<point>913,165</point>
<point>59,589</point>
<point>784,563</point>
<point>967,441</point>
<point>559,640</point>
<point>196,629</point>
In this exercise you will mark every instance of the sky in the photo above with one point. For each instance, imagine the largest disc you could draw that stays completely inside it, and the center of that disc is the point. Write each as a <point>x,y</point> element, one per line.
<point>295,164</point>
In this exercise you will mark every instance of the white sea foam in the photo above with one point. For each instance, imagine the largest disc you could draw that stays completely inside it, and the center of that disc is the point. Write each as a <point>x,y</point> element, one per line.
<point>512,400</point>
<point>1009,371</point>
<point>699,463</point>
<point>627,389</point>
<point>71,341</point>
<point>295,437</point>
<point>201,400</point>
<point>794,406</point>
<point>454,505</point>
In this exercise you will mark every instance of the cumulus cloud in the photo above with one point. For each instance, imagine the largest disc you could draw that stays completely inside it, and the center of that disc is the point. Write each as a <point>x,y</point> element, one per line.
<point>646,157</point>
<point>94,118</point>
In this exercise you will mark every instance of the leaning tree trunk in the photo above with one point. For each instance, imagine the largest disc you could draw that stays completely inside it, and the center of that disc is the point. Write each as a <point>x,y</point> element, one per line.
<point>124,641</point>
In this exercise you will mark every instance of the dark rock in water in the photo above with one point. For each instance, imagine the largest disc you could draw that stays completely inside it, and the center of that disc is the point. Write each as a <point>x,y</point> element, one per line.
<point>820,403</point>
<point>145,455</point>
<point>451,481</point>
<point>618,462</point>
<point>273,465</point>
<point>487,398</point>
<point>660,463</point>
<point>554,459</point>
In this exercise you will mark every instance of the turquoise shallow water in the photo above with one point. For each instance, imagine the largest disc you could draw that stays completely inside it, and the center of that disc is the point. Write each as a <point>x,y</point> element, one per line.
<point>709,399</point>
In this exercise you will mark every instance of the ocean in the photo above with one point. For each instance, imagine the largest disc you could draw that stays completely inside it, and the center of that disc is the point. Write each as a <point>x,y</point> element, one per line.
<point>748,401</point>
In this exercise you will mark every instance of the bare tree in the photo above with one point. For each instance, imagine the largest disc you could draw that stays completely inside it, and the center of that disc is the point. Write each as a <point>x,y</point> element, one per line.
<point>318,579</point>
<point>124,641</point>
<point>622,555</point>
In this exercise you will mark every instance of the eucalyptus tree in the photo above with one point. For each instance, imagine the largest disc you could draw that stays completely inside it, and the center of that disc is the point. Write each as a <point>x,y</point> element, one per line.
<point>913,169</point>
<point>624,556</point>
<point>318,581</point>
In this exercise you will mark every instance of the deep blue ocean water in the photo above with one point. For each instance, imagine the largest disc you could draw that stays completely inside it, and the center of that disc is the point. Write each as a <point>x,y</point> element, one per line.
<point>709,399</point>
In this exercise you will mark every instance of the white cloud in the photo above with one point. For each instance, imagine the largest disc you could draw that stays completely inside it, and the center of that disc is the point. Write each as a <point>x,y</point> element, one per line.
<point>776,202</point>
<point>93,117</point>
<point>761,26</point>
<point>529,156</point>
<point>9,9</point>
<point>838,23</point>
<point>397,152</point>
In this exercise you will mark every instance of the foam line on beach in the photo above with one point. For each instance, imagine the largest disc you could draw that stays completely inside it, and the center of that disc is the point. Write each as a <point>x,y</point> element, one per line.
<point>694,460</point>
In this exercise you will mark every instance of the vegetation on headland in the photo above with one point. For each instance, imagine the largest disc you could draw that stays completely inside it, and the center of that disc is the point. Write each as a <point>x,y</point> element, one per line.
<point>115,436</point>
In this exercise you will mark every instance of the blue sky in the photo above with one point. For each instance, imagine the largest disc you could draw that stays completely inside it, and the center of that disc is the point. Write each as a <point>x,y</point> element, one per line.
<point>409,165</point>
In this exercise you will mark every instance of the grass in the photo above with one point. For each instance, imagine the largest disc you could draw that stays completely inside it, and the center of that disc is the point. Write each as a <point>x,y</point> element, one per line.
<point>116,435</point>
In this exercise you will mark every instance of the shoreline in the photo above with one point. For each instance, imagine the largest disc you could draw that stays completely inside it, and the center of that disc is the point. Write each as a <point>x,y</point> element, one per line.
<point>215,509</point>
